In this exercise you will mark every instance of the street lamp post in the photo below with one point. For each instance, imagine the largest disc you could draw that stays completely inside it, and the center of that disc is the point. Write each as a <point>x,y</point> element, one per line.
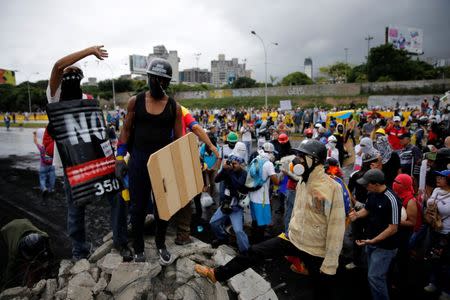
<point>265,64</point>
<point>28,88</point>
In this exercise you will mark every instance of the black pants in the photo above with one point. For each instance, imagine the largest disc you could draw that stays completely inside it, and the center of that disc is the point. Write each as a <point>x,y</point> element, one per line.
<point>350,134</point>
<point>140,195</point>
<point>278,247</point>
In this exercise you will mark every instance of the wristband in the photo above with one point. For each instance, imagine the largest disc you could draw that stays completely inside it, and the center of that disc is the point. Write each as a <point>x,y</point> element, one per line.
<point>119,157</point>
<point>122,149</point>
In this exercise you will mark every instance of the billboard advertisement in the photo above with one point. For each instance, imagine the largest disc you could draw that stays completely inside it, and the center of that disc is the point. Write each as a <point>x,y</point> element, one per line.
<point>138,64</point>
<point>405,38</point>
<point>7,77</point>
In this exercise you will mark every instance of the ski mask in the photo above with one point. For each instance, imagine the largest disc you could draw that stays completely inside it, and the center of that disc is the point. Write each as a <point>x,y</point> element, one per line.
<point>157,86</point>
<point>70,85</point>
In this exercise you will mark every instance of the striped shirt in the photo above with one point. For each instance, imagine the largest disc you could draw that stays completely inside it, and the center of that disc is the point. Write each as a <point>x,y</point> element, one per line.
<point>384,209</point>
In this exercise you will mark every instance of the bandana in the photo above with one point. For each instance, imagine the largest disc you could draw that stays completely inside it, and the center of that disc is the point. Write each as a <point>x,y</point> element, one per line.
<point>383,146</point>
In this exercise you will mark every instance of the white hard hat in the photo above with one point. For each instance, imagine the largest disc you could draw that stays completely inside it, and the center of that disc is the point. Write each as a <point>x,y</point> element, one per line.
<point>268,147</point>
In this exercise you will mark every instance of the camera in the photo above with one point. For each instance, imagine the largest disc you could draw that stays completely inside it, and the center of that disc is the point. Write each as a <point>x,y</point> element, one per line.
<point>228,162</point>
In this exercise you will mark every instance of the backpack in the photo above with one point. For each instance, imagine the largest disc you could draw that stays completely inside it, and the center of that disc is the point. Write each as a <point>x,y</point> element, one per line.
<point>255,179</point>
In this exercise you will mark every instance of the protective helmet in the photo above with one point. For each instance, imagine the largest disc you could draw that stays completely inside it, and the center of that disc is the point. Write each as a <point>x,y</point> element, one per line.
<point>380,131</point>
<point>332,139</point>
<point>160,67</point>
<point>268,147</point>
<point>283,138</point>
<point>232,137</point>
<point>314,149</point>
<point>317,125</point>
<point>33,244</point>
<point>423,120</point>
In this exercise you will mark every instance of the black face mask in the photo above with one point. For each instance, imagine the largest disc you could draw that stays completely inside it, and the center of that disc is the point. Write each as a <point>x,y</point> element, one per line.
<point>157,87</point>
<point>70,86</point>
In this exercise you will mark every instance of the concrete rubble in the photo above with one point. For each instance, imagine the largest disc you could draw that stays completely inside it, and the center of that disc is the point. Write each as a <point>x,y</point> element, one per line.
<point>104,276</point>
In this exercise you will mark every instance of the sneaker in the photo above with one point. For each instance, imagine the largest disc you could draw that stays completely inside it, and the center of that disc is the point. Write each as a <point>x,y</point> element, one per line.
<point>165,258</point>
<point>126,254</point>
<point>430,288</point>
<point>444,296</point>
<point>350,266</point>
<point>205,271</point>
<point>139,257</point>
<point>183,240</point>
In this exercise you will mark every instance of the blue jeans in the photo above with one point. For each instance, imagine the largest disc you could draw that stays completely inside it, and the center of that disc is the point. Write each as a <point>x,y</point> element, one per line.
<point>379,261</point>
<point>290,199</point>
<point>236,217</point>
<point>248,145</point>
<point>47,178</point>
<point>76,225</point>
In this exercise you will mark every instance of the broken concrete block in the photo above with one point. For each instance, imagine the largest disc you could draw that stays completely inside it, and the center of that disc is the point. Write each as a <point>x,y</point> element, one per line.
<point>61,294</point>
<point>95,272</point>
<point>80,266</point>
<point>107,237</point>
<point>38,288</point>
<point>64,267</point>
<point>99,286</point>
<point>185,270</point>
<point>110,262</point>
<point>15,292</point>
<point>50,289</point>
<point>250,285</point>
<point>101,251</point>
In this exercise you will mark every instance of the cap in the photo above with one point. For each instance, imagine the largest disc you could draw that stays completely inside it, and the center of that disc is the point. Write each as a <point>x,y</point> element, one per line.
<point>443,173</point>
<point>268,147</point>
<point>380,131</point>
<point>371,176</point>
<point>232,137</point>
<point>397,119</point>
<point>405,135</point>
<point>369,157</point>
<point>283,138</point>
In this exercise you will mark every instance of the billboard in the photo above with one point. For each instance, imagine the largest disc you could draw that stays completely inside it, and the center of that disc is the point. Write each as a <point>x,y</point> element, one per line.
<point>7,77</point>
<point>405,38</point>
<point>138,64</point>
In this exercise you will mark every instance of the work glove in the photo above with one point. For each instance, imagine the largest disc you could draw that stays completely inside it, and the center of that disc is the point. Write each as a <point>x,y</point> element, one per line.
<point>121,168</point>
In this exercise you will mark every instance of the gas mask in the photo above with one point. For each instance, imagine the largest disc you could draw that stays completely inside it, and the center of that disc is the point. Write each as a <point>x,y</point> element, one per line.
<point>157,86</point>
<point>70,85</point>
<point>305,167</point>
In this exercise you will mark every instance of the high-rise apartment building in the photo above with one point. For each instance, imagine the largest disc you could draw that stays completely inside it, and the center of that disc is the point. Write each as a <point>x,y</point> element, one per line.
<point>226,71</point>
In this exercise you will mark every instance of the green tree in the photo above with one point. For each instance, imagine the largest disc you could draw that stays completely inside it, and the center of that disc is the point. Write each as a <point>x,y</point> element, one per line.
<point>338,71</point>
<point>358,74</point>
<point>243,82</point>
<point>296,78</point>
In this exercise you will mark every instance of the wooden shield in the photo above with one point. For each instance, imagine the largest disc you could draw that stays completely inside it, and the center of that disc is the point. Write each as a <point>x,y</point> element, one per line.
<point>176,175</point>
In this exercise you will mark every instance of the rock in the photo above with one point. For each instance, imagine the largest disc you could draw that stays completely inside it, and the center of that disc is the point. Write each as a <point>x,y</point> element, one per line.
<point>250,285</point>
<point>80,286</point>
<point>61,294</point>
<point>50,289</point>
<point>104,296</point>
<point>79,293</point>
<point>15,292</point>
<point>200,288</point>
<point>222,256</point>
<point>101,251</point>
<point>107,237</point>
<point>95,272</point>
<point>201,259</point>
<point>185,270</point>
<point>64,267</point>
<point>99,286</point>
<point>80,266</point>
<point>161,296</point>
<point>38,287</point>
<point>82,279</point>
<point>106,276</point>
<point>170,272</point>
<point>110,262</point>
<point>62,282</point>
<point>132,280</point>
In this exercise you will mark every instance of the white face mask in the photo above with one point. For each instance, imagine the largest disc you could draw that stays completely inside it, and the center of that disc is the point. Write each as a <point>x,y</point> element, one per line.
<point>299,169</point>
<point>332,145</point>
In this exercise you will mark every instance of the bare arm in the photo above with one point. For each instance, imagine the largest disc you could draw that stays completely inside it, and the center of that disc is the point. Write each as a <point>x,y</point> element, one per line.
<point>389,231</point>
<point>411,212</point>
<point>128,122</point>
<point>198,131</point>
<point>62,63</point>
<point>362,213</point>
<point>178,128</point>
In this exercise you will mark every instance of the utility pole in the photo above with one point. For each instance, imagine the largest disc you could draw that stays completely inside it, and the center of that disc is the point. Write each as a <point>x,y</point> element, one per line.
<point>346,55</point>
<point>368,39</point>
<point>197,58</point>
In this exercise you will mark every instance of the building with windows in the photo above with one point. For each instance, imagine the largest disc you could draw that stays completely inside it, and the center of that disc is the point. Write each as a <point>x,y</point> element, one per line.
<point>195,75</point>
<point>308,67</point>
<point>226,71</point>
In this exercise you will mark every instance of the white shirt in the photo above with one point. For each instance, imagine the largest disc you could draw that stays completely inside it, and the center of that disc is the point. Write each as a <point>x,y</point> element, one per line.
<point>246,134</point>
<point>442,198</point>
<point>261,196</point>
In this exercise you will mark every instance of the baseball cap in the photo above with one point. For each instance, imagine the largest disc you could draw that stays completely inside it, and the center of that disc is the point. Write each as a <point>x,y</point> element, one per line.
<point>405,135</point>
<point>371,176</point>
<point>397,119</point>
<point>283,138</point>
<point>443,173</point>
<point>369,157</point>
<point>268,147</point>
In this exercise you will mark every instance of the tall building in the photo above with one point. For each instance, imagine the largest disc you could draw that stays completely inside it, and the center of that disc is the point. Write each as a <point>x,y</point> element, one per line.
<point>308,67</point>
<point>195,75</point>
<point>226,71</point>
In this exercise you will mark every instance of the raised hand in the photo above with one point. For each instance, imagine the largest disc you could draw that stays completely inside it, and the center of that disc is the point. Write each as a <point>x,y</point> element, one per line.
<point>99,52</point>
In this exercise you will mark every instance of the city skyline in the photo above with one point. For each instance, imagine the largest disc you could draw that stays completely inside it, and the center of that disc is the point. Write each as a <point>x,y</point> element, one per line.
<point>32,43</point>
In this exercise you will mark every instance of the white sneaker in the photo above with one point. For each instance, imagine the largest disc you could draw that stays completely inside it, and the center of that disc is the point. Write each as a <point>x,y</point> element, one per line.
<point>350,266</point>
<point>430,288</point>
<point>444,296</point>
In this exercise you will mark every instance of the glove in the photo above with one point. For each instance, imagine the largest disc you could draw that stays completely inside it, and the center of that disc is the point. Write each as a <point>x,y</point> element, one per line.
<point>121,168</point>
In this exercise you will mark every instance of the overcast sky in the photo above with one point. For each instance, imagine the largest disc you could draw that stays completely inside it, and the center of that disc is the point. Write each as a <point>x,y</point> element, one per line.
<point>35,34</point>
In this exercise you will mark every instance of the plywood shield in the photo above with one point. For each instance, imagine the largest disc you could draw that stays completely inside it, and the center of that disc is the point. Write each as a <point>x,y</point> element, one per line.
<point>175,175</point>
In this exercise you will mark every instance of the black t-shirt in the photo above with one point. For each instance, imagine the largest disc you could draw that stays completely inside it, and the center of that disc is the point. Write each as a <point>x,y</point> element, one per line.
<point>384,209</point>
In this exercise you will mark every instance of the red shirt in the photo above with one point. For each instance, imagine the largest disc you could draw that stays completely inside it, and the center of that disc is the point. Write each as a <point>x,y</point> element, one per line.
<point>393,136</point>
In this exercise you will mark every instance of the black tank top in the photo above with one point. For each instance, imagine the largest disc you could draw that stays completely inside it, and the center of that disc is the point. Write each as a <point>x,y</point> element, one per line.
<point>153,132</point>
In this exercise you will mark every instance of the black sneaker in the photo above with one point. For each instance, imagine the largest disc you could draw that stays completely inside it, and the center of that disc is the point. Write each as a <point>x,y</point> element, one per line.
<point>139,257</point>
<point>126,254</point>
<point>165,258</point>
